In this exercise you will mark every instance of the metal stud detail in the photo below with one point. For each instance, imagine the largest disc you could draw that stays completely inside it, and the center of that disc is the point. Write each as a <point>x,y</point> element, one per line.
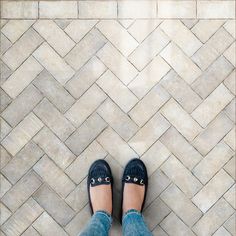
<point>92,181</point>
<point>99,179</point>
<point>135,179</point>
<point>127,178</point>
<point>107,179</point>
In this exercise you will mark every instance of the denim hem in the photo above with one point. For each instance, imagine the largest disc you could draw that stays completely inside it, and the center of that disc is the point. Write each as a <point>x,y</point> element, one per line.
<point>129,212</point>
<point>105,214</point>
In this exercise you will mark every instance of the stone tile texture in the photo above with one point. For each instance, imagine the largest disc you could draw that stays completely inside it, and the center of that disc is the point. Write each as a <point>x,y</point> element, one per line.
<point>118,79</point>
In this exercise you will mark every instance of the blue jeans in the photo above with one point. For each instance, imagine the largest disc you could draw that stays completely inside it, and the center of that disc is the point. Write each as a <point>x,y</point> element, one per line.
<point>132,224</point>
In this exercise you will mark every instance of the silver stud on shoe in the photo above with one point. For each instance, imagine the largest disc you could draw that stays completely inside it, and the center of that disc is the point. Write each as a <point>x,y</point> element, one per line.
<point>92,181</point>
<point>99,179</point>
<point>127,178</point>
<point>141,182</point>
<point>107,179</point>
<point>135,179</point>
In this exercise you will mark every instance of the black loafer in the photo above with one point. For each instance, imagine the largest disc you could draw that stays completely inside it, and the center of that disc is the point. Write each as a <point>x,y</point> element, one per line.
<point>99,174</point>
<point>136,173</point>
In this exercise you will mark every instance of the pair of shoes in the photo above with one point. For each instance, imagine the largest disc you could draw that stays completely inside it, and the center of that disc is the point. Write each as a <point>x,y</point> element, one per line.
<point>100,173</point>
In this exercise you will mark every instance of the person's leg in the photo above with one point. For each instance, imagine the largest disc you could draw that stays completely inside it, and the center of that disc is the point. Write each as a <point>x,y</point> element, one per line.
<point>134,182</point>
<point>99,184</point>
<point>99,225</point>
<point>133,224</point>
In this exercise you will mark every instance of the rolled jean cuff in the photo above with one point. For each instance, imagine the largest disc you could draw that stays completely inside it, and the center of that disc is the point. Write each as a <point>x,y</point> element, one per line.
<point>104,215</point>
<point>129,212</point>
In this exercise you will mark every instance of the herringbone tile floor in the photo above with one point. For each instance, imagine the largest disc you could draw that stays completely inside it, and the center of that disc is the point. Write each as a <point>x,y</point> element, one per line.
<point>73,91</point>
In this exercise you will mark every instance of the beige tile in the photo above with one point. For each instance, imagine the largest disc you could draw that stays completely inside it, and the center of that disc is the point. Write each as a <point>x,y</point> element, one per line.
<point>221,232</point>
<point>14,29</point>
<point>230,224</point>
<point>213,219</point>
<point>141,28</point>
<point>22,162</point>
<point>21,106</point>
<point>213,190</point>
<point>149,105</point>
<point>22,134</point>
<point>22,218</point>
<point>62,9</point>
<point>93,152</point>
<point>121,151</point>
<point>182,36</point>
<point>54,176</point>
<point>5,186</point>
<point>230,27</point>
<point>174,226</point>
<point>22,49</point>
<point>85,77</point>
<point>46,225</point>
<point>85,49</point>
<point>158,179</point>
<point>54,205</point>
<point>155,156</point>
<point>181,120</point>
<point>204,29</point>
<point>54,148</point>
<point>177,9</point>
<point>116,118</point>
<point>30,232</point>
<point>179,146</point>
<point>111,57</point>
<point>118,36</point>
<point>150,213</point>
<point>148,49</point>
<point>149,133</point>
<point>181,176</point>
<point>61,71</point>
<point>50,116</point>
<point>53,91</point>
<point>213,162</point>
<point>77,29</point>
<point>229,196</point>
<point>212,77</point>
<point>182,64</point>
<point>117,91</point>
<point>55,36</point>
<point>21,191</point>
<point>76,225</point>
<point>5,213</point>
<point>85,106</point>
<point>19,9</point>
<point>215,9</point>
<point>94,9</point>
<point>230,139</point>
<point>85,134</point>
<point>214,132</point>
<point>230,54</point>
<point>136,9</point>
<point>230,82</point>
<point>181,91</point>
<point>212,49</point>
<point>22,77</point>
<point>212,105</point>
<point>149,76</point>
<point>182,206</point>
<point>78,198</point>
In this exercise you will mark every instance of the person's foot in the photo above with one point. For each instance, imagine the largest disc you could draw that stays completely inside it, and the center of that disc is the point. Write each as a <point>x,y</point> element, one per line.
<point>135,182</point>
<point>133,197</point>
<point>101,198</point>
<point>100,187</point>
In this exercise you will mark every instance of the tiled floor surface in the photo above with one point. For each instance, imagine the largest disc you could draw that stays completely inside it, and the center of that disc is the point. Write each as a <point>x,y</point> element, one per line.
<point>75,90</point>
